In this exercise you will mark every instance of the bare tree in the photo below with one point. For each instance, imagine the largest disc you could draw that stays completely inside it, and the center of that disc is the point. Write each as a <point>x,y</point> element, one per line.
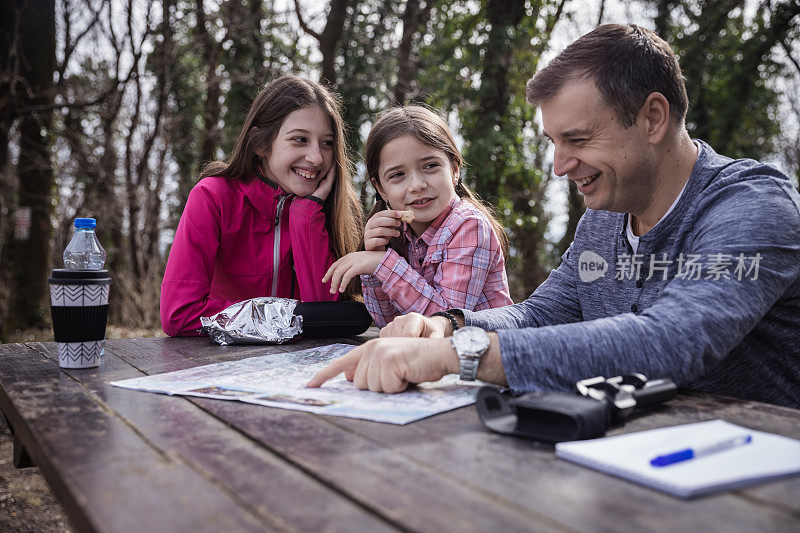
<point>330,37</point>
<point>112,153</point>
<point>601,12</point>
<point>85,139</point>
<point>137,173</point>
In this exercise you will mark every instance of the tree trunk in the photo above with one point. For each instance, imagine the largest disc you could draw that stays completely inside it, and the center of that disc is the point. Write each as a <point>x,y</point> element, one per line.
<point>330,38</point>
<point>412,19</point>
<point>8,39</point>
<point>493,96</point>
<point>162,66</point>
<point>211,106</point>
<point>8,76</point>
<point>28,255</point>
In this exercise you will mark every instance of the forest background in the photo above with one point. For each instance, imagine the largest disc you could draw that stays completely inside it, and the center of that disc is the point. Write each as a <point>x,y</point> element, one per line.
<point>109,108</point>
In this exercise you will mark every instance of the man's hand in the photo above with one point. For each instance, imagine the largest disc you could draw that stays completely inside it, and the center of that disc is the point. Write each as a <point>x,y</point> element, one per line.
<point>416,325</point>
<point>389,365</point>
<point>346,268</point>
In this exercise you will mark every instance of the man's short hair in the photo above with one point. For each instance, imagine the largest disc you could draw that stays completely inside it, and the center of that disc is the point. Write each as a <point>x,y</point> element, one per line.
<point>627,64</point>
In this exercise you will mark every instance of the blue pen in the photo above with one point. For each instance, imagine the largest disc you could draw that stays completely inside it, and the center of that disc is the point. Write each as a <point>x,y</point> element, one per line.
<point>699,451</point>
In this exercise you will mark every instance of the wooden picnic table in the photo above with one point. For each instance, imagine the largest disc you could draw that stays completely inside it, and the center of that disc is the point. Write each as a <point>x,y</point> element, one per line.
<point>121,460</point>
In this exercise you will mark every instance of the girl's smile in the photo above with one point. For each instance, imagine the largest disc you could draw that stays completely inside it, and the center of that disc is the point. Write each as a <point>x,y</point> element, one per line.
<point>422,203</point>
<point>302,152</point>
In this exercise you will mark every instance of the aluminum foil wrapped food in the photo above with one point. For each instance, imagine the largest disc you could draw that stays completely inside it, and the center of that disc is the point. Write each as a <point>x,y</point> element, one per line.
<point>256,321</point>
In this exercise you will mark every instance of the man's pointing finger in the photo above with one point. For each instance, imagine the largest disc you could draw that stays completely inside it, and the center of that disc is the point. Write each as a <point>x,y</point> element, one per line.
<point>349,360</point>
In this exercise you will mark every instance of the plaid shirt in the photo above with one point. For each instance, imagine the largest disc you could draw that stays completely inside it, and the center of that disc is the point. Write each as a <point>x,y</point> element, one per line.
<point>456,263</point>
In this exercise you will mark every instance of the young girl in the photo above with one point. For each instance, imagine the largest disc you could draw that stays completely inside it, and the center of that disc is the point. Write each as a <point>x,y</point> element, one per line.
<point>451,254</point>
<point>270,220</point>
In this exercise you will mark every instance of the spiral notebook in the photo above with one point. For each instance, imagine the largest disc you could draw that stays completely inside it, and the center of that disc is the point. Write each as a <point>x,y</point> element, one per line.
<point>767,456</point>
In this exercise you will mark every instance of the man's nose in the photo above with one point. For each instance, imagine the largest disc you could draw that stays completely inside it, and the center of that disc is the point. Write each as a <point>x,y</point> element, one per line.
<point>564,162</point>
<point>314,154</point>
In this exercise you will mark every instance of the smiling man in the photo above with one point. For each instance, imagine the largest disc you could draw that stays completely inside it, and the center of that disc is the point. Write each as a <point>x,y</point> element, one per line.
<point>686,264</point>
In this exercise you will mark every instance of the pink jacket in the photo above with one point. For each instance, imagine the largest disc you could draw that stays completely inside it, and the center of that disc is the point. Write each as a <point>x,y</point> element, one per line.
<point>237,241</point>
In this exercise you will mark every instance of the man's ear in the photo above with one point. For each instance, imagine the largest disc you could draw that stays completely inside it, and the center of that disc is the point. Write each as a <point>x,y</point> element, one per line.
<point>654,117</point>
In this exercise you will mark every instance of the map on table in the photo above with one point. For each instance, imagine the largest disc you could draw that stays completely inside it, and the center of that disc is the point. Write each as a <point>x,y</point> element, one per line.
<point>279,380</point>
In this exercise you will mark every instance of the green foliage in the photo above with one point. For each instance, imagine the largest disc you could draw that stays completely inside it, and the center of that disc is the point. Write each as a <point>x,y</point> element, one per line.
<point>258,47</point>
<point>186,99</point>
<point>727,64</point>
<point>478,69</point>
<point>364,77</point>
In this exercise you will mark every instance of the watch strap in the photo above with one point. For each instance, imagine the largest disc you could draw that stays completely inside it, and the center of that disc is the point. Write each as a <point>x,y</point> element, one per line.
<point>468,368</point>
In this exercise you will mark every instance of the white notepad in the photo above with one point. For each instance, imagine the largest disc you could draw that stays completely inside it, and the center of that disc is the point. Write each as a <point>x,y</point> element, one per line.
<point>628,456</point>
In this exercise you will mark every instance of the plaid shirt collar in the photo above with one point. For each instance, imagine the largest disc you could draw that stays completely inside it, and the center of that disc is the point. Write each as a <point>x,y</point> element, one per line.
<point>429,234</point>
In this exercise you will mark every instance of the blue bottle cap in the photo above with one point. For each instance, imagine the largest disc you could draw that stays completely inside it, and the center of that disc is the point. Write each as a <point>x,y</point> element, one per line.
<point>85,223</point>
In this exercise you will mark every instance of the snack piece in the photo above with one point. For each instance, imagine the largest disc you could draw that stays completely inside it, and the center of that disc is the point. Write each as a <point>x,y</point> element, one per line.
<point>407,216</point>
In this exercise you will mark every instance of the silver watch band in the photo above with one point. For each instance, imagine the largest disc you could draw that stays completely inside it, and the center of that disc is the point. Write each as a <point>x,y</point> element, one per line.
<point>468,368</point>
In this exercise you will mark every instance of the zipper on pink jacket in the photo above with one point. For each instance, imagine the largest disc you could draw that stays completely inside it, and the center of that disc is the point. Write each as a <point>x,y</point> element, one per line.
<point>276,246</point>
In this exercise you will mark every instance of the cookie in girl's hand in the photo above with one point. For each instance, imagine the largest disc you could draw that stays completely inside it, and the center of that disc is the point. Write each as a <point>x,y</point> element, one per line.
<point>407,216</point>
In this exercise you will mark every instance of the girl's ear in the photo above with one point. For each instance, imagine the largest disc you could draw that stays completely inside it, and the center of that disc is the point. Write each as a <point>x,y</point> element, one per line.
<point>377,188</point>
<point>380,193</point>
<point>260,152</point>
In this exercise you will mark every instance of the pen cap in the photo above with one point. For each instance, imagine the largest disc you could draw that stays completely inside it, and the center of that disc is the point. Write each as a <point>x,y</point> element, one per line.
<point>672,458</point>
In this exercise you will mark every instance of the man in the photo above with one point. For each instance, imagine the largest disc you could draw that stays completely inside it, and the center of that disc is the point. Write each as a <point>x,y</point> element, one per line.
<point>686,264</point>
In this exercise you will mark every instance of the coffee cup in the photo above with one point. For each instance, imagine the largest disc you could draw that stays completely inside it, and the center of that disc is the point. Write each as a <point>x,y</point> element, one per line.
<point>79,309</point>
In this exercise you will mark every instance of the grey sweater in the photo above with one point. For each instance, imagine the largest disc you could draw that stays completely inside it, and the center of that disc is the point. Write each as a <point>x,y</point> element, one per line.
<point>711,299</point>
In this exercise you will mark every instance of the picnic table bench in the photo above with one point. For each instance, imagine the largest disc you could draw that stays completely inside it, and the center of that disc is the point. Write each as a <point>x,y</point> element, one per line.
<point>120,460</point>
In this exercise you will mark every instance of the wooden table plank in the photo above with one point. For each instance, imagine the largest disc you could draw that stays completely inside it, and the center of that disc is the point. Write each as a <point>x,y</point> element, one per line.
<point>390,484</point>
<point>442,473</point>
<point>98,466</point>
<point>458,448</point>
<point>258,478</point>
<point>528,473</point>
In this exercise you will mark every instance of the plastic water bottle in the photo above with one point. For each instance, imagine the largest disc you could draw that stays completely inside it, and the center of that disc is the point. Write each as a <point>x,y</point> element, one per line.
<point>84,251</point>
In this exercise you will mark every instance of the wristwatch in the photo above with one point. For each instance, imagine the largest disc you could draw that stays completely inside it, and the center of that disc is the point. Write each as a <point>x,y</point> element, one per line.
<point>470,344</point>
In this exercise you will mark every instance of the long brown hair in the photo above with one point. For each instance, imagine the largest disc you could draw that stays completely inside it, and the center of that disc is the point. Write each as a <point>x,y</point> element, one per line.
<point>272,105</point>
<point>430,129</point>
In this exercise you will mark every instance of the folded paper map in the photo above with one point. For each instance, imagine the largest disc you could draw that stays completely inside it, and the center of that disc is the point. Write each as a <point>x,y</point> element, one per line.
<point>279,380</point>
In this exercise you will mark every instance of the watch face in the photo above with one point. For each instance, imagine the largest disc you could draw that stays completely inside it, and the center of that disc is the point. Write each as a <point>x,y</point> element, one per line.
<point>470,340</point>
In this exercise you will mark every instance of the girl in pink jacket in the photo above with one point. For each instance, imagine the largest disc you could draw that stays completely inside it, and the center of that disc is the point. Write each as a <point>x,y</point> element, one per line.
<point>273,218</point>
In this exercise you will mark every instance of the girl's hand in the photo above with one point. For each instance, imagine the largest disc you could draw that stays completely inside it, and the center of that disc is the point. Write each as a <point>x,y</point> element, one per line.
<point>324,188</point>
<point>380,228</point>
<point>342,271</point>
